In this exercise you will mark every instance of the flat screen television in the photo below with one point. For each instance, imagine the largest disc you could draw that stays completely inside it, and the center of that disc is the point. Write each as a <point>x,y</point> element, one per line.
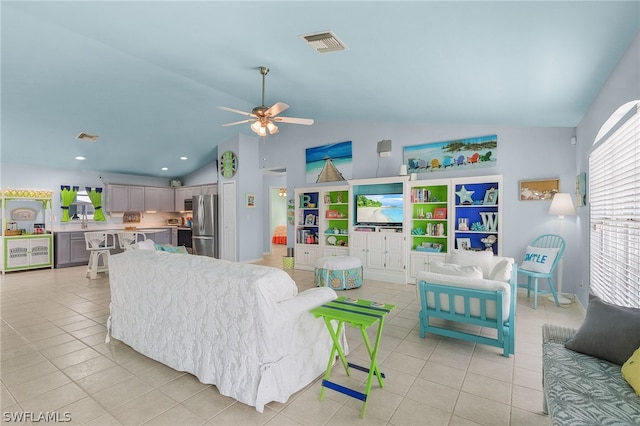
<point>380,209</point>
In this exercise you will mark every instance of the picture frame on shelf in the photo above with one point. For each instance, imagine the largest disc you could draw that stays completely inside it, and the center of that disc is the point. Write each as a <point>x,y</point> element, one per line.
<point>490,197</point>
<point>428,215</point>
<point>310,219</point>
<point>463,243</point>
<point>440,213</point>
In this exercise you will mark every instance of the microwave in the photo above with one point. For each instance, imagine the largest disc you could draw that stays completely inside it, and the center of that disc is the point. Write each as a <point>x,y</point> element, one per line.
<point>173,221</point>
<point>188,204</point>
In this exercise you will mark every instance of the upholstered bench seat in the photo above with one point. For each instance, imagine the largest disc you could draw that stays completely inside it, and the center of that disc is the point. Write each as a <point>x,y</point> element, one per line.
<point>338,272</point>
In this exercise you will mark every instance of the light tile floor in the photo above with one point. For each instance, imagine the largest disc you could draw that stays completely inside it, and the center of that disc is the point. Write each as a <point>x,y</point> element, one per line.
<point>54,360</point>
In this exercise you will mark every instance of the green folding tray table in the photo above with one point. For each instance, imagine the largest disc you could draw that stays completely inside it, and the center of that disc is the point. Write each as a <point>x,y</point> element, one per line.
<point>361,314</point>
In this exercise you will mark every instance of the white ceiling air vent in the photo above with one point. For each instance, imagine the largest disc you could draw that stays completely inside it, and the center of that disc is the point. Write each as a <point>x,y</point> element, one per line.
<point>87,137</point>
<point>324,42</point>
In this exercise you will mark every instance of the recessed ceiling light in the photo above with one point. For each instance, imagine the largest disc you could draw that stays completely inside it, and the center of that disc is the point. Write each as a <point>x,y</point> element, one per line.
<point>87,137</point>
<point>183,158</point>
<point>79,157</point>
<point>165,168</point>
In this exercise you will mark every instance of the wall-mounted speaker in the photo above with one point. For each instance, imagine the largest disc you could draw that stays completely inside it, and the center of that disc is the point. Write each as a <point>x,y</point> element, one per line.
<point>384,148</point>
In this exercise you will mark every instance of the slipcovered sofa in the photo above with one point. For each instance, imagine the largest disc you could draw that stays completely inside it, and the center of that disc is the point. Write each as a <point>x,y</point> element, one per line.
<point>243,328</point>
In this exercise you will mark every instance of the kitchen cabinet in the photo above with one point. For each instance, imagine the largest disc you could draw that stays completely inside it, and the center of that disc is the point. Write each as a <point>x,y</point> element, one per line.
<point>159,236</point>
<point>159,199</point>
<point>183,193</point>
<point>209,189</point>
<point>125,198</point>
<point>27,252</point>
<point>71,249</point>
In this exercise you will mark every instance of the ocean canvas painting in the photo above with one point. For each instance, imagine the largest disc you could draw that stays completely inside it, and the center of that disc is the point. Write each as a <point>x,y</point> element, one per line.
<point>469,153</point>
<point>329,163</point>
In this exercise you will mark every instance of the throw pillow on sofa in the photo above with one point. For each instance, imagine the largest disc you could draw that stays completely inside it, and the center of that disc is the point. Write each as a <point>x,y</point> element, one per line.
<point>631,371</point>
<point>609,332</point>
<point>502,271</point>
<point>538,259</point>
<point>483,259</point>
<point>470,271</point>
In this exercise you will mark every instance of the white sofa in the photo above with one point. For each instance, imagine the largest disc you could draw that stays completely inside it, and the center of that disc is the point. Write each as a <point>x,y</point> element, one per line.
<point>470,288</point>
<point>240,327</point>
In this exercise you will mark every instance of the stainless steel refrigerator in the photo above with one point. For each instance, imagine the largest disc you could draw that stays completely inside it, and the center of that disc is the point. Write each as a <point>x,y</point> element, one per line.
<point>204,226</point>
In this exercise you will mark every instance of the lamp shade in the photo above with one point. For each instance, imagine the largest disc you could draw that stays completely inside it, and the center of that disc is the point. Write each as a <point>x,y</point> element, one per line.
<point>562,205</point>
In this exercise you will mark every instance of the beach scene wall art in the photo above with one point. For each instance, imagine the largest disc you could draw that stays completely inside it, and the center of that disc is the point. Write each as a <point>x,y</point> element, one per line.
<point>469,153</point>
<point>329,163</point>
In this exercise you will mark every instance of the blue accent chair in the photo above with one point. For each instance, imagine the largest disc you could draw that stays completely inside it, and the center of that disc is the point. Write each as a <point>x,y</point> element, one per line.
<point>448,302</point>
<point>543,241</point>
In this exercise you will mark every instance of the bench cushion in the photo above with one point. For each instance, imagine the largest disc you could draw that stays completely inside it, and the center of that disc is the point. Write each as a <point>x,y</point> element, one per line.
<point>581,389</point>
<point>469,283</point>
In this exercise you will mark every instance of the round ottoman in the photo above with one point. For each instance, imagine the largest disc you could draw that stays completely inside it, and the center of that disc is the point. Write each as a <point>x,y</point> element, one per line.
<point>338,272</point>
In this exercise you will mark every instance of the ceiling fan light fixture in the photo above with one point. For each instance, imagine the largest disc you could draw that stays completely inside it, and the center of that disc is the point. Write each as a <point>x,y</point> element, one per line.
<point>272,128</point>
<point>256,126</point>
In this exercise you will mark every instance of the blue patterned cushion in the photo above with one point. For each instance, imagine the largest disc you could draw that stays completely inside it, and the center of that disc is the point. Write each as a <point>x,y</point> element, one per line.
<point>584,390</point>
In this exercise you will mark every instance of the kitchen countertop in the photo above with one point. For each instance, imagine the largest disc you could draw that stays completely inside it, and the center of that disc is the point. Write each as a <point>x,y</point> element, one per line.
<point>150,229</point>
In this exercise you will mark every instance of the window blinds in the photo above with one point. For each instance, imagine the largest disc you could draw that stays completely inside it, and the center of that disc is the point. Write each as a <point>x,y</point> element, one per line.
<point>614,196</point>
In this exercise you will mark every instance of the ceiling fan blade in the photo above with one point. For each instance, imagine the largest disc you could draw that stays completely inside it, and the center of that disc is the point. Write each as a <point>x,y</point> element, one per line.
<point>238,122</point>
<point>276,109</point>
<point>293,120</point>
<point>237,111</point>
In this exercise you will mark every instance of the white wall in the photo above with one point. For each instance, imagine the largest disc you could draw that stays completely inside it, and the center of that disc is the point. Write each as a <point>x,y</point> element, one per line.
<point>622,86</point>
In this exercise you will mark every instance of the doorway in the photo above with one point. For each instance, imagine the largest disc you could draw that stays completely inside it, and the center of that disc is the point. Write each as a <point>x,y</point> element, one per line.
<point>278,220</point>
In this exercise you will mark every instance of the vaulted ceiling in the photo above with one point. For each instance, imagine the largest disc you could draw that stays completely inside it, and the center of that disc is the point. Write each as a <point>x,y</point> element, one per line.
<point>148,77</point>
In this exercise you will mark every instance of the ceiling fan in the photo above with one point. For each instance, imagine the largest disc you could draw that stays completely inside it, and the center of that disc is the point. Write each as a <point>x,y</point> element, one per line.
<point>264,118</point>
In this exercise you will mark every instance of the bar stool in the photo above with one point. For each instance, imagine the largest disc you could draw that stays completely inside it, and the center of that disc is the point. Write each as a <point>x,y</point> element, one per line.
<point>98,244</point>
<point>126,239</point>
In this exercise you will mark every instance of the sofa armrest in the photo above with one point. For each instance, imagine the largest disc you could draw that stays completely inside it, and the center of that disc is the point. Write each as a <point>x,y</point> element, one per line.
<point>307,300</point>
<point>556,334</point>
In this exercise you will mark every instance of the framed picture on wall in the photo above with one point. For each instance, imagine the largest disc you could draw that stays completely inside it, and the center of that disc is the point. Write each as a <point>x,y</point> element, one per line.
<point>251,200</point>
<point>543,189</point>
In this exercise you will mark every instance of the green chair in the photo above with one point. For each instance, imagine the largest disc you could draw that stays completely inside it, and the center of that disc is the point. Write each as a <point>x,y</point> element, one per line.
<point>546,241</point>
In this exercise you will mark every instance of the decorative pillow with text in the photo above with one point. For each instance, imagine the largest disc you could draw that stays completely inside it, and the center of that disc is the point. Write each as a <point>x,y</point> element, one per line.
<point>538,259</point>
